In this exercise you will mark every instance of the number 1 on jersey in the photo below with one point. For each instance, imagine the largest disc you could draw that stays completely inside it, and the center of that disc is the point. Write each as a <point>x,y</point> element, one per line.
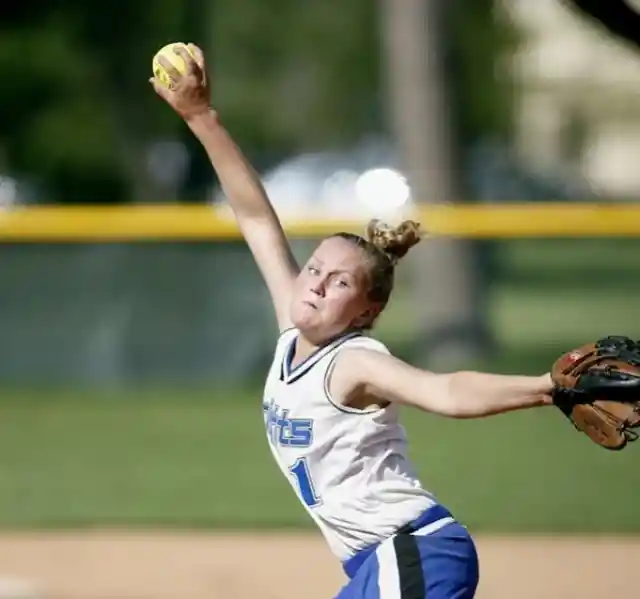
<point>301,471</point>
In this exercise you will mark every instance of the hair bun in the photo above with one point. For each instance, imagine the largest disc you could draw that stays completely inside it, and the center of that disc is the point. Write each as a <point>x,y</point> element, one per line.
<point>395,242</point>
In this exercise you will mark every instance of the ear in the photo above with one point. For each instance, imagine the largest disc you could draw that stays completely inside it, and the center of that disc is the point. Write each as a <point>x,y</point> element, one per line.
<point>368,316</point>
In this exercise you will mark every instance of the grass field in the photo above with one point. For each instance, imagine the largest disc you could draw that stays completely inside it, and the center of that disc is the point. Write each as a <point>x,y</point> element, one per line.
<point>163,459</point>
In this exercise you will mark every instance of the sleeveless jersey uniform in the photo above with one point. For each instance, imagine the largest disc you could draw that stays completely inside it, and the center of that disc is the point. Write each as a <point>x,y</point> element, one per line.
<point>350,470</point>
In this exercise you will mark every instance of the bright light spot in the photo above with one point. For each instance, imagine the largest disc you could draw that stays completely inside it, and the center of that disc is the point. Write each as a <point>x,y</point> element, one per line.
<point>382,189</point>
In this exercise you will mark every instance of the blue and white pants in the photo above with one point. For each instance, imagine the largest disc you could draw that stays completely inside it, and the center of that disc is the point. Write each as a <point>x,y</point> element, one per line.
<point>433,557</point>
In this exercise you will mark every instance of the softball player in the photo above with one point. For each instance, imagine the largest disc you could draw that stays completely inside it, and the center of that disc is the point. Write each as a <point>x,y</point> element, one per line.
<point>332,394</point>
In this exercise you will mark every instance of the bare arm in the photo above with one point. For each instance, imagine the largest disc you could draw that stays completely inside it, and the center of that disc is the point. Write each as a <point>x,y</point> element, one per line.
<point>462,394</point>
<point>189,96</point>
<point>255,215</point>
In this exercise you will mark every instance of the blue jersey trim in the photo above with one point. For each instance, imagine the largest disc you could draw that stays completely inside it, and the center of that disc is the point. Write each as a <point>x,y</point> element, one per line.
<point>289,374</point>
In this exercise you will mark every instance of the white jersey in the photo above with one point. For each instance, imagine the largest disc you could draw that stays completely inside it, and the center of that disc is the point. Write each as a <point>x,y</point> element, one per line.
<point>348,467</point>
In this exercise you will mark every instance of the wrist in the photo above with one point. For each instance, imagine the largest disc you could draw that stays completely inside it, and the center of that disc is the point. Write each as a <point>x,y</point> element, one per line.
<point>546,383</point>
<point>206,118</point>
<point>546,388</point>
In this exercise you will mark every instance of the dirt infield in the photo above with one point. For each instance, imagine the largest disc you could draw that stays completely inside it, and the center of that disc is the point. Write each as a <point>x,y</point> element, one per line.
<point>112,565</point>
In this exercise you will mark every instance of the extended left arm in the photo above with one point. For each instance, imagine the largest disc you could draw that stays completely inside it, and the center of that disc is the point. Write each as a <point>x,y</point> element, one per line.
<point>478,394</point>
<point>460,394</point>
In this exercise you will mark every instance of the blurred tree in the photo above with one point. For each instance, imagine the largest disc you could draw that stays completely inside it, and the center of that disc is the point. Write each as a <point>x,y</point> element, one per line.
<point>79,112</point>
<point>50,112</point>
<point>478,43</point>
<point>294,75</point>
<point>78,115</point>
<point>291,76</point>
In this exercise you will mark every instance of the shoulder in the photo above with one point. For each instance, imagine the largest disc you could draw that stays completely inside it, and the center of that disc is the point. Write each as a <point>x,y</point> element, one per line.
<point>352,355</point>
<point>365,342</point>
<point>353,367</point>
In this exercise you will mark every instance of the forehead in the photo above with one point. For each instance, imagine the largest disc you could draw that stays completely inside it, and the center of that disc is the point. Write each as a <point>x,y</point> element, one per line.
<point>338,253</point>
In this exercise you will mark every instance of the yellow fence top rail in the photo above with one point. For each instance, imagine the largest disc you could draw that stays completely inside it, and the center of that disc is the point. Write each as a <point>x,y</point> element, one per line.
<point>201,222</point>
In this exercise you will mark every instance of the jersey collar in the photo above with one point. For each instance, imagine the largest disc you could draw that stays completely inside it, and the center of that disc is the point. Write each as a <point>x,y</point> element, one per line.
<point>289,374</point>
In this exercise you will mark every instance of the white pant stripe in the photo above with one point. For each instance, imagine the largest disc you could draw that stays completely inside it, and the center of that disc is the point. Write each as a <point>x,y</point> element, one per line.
<point>388,575</point>
<point>433,527</point>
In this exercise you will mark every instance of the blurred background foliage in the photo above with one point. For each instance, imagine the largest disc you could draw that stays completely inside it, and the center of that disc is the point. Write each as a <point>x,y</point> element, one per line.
<point>78,116</point>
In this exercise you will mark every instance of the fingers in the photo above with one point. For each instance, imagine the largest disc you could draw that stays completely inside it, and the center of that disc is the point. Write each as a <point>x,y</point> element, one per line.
<point>169,83</point>
<point>193,66</point>
<point>170,70</point>
<point>198,55</point>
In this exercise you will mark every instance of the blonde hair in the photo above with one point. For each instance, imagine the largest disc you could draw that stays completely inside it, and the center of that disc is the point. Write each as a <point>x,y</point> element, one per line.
<point>395,242</point>
<point>384,246</point>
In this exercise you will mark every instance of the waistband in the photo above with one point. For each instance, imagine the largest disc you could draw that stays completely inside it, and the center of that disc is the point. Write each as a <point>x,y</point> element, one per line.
<point>433,515</point>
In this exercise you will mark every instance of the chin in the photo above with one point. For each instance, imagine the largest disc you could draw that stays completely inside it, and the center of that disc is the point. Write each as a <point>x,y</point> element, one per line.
<point>309,325</point>
<point>314,331</point>
<point>303,319</point>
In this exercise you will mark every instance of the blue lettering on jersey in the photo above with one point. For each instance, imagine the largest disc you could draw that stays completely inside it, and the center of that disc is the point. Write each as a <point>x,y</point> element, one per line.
<point>285,431</point>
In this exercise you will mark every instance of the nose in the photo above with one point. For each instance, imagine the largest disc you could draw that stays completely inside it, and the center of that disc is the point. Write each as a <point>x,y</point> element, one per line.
<point>317,286</point>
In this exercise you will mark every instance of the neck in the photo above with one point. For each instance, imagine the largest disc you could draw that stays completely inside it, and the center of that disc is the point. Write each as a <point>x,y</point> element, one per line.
<point>304,347</point>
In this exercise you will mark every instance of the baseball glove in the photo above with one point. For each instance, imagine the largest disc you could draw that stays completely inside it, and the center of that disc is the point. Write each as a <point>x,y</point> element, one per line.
<point>597,386</point>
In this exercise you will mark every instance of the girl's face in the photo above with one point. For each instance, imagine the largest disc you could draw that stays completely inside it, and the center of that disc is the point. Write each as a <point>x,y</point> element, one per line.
<point>331,294</point>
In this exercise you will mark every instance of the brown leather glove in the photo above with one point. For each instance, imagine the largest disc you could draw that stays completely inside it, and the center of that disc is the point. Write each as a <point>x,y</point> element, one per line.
<point>597,386</point>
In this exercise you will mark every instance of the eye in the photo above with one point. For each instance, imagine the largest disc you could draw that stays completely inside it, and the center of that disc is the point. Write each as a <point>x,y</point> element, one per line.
<point>313,270</point>
<point>342,282</point>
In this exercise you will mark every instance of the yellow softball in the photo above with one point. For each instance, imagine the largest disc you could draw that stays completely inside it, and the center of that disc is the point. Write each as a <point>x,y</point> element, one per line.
<point>177,61</point>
